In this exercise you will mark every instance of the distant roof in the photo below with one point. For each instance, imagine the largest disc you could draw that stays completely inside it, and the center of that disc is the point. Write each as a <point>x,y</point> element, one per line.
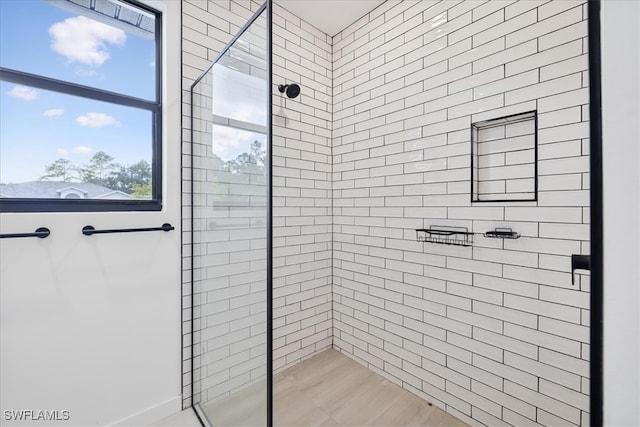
<point>114,13</point>
<point>52,190</point>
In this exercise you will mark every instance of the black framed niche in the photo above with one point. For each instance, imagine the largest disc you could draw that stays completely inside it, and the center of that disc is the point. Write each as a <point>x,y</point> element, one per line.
<point>504,159</point>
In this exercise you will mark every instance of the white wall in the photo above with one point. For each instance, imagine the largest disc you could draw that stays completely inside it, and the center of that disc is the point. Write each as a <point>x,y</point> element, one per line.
<point>301,182</point>
<point>302,257</point>
<point>89,324</point>
<point>620,21</point>
<point>229,262</point>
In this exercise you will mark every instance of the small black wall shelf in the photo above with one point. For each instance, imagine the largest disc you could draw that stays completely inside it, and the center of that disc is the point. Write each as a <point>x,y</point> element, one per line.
<point>459,236</point>
<point>502,233</point>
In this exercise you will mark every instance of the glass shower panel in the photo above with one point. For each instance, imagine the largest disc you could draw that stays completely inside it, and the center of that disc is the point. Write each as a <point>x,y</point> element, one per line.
<point>230,241</point>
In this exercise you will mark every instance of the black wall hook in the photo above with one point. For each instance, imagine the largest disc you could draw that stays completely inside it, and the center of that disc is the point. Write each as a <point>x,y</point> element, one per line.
<point>579,262</point>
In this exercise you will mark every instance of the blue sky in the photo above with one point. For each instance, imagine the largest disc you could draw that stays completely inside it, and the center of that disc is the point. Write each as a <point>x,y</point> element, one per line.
<point>36,126</point>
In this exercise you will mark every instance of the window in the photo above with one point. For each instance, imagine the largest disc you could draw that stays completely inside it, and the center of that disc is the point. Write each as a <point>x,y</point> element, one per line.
<point>236,93</point>
<point>504,159</point>
<point>80,106</point>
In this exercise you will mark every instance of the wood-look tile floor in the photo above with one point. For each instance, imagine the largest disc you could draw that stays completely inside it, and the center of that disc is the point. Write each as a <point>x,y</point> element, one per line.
<point>330,389</point>
<point>245,408</point>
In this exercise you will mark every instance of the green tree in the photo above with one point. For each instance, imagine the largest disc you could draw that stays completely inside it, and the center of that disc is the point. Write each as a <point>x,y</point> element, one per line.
<point>126,177</point>
<point>140,173</point>
<point>100,167</point>
<point>141,191</point>
<point>60,170</point>
<point>102,170</point>
<point>240,180</point>
<point>251,162</point>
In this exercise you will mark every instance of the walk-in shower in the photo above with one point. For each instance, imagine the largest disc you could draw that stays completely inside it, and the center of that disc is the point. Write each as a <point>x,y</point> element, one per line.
<point>230,237</point>
<point>431,190</point>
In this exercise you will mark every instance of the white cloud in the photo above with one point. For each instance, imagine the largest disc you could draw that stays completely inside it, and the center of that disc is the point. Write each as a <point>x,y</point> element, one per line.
<point>62,152</point>
<point>54,112</point>
<point>23,92</point>
<point>82,149</point>
<point>239,96</point>
<point>84,40</point>
<point>229,142</point>
<point>96,120</point>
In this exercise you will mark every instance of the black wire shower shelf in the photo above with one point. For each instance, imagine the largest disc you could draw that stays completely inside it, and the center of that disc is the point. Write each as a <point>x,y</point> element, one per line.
<point>447,235</point>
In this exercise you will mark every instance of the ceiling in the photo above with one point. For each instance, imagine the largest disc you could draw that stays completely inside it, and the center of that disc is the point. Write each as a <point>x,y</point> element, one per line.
<point>330,16</point>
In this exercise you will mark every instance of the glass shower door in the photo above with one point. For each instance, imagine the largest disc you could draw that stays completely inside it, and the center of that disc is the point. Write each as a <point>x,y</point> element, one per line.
<point>230,238</point>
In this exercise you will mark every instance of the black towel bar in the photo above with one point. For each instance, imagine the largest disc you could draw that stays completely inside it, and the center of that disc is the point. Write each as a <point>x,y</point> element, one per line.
<point>41,232</point>
<point>89,230</point>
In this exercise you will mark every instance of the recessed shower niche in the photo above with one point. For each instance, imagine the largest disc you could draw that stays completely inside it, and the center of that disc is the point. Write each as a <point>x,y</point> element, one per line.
<point>503,159</point>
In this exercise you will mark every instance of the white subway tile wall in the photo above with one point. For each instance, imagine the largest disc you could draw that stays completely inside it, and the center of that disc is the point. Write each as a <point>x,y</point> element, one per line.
<point>302,239</point>
<point>229,263</point>
<point>302,207</point>
<point>377,145</point>
<point>495,333</point>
